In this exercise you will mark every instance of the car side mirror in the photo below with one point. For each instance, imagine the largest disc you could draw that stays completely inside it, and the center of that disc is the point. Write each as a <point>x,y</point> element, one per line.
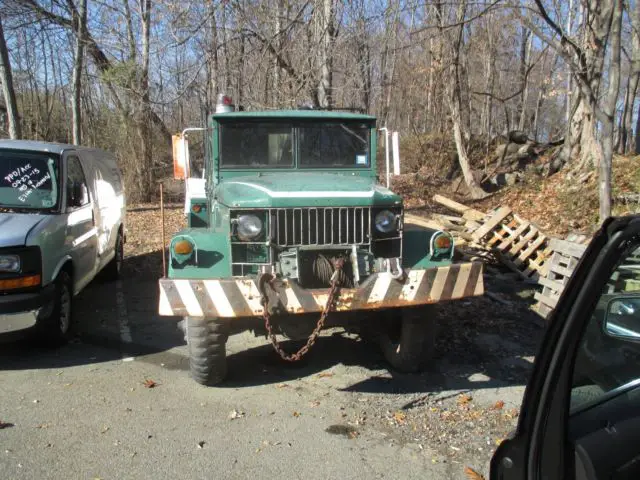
<point>622,319</point>
<point>77,194</point>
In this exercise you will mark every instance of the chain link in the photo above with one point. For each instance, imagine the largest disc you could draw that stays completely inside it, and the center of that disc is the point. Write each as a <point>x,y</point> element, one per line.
<point>333,296</point>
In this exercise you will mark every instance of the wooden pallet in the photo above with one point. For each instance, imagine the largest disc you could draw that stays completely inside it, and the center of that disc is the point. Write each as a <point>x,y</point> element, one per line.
<point>563,262</point>
<point>517,243</point>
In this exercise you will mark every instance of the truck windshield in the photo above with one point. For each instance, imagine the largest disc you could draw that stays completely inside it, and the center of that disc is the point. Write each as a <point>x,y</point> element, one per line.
<point>256,144</point>
<point>334,145</point>
<point>265,144</point>
<point>28,180</point>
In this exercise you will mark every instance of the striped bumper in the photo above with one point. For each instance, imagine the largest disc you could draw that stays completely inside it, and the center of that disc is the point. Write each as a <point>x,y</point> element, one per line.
<point>239,297</point>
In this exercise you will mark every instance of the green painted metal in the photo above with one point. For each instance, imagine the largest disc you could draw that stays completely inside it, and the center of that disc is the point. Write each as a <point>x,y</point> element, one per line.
<point>296,189</point>
<point>319,115</point>
<point>212,253</point>
<point>200,219</point>
<point>261,188</point>
<point>416,252</point>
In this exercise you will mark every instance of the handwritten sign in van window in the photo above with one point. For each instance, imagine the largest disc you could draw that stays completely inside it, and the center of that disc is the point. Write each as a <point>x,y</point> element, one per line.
<point>28,180</point>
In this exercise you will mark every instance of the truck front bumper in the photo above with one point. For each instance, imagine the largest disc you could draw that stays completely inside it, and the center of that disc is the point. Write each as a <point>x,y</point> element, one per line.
<point>240,297</point>
<point>19,311</point>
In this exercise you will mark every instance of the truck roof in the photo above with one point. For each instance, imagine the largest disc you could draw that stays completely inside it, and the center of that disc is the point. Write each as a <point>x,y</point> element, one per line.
<point>294,114</point>
<point>37,146</point>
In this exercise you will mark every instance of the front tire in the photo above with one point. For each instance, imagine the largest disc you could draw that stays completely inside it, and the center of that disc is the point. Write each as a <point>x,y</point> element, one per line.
<point>207,339</point>
<point>113,269</point>
<point>408,340</point>
<point>54,328</point>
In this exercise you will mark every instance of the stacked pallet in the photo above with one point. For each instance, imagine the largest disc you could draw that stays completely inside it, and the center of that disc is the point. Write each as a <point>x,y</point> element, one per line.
<point>515,242</point>
<point>563,262</point>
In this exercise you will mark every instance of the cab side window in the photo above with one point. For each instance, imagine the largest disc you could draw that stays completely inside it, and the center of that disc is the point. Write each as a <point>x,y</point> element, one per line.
<point>609,352</point>
<point>77,191</point>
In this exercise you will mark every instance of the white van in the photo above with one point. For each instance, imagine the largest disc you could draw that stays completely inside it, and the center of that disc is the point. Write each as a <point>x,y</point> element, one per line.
<point>62,215</point>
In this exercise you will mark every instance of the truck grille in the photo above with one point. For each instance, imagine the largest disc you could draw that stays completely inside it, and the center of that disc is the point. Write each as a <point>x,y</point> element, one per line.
<point>292,227</point>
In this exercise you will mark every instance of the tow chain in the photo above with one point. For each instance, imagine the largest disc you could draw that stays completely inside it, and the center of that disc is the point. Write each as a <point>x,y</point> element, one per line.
<point>338,264</point>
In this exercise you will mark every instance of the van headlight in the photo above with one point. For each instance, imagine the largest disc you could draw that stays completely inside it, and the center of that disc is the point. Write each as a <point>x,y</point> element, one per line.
<point>248,227</point>
<point>386,221</point>
<point>10,263</point>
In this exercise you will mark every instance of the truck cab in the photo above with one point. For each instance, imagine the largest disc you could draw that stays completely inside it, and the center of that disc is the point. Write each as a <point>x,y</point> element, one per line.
<point>294,227</point>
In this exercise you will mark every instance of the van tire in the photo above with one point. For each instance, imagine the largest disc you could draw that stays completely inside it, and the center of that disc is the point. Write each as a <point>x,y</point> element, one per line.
<point>113,270</point>
<point>55,328</point>
<point>408,340</point>
<point>207,340</point>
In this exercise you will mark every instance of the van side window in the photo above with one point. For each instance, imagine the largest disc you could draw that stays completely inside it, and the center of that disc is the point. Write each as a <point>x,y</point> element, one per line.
<point>77,191</point>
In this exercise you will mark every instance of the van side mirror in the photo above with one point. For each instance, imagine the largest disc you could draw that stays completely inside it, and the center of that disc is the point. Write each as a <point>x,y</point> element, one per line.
<point>180,157</point>
<point>76,193</point>
<point>622,318</point>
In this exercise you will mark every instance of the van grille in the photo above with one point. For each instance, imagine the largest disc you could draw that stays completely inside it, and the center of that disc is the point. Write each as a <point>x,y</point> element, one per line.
<point>293,227</point>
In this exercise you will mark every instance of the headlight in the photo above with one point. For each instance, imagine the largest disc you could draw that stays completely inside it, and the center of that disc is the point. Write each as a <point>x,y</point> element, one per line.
<point>10,263</point>
<point>386,221</point>
<point>248,227</point>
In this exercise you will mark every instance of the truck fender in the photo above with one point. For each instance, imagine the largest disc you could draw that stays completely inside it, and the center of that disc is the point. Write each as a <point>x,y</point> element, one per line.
<point>56,271</point>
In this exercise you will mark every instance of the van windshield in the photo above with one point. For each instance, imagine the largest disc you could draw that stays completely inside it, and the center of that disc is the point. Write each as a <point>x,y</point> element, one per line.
<point>28,180</point>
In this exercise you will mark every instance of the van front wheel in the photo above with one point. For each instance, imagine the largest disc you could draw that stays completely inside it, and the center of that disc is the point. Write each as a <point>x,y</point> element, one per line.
<point>207,340</point>
<point>114,267</point>
<point>54,326</point>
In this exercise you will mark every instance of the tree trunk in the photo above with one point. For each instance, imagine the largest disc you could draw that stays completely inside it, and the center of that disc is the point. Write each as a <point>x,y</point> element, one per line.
<point>525,54</point>
<point>76,98</point>
<point>609,111</point>
<point>6,77</point>
<point>326,32</point>
<point>455,101</point>
<point>146,175</point>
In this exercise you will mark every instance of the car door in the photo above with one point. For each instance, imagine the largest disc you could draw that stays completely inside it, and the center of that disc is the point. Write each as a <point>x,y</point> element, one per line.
<point>580,416</point>
<point>81,234</point>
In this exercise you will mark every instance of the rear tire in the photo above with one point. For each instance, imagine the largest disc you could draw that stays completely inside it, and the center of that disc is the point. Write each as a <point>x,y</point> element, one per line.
<point>113,269</point>
<point>207,339</point>
<point>408,340</point>
<point>54,329</point>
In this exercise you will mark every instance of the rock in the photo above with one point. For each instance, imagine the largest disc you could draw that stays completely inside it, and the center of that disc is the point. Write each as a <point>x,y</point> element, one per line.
<point>518,136</point>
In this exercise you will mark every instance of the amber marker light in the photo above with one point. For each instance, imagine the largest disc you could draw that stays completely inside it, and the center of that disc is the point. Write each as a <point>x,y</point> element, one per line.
<point>183,247</point>
<point>443,242</point>
<point>21,282</point>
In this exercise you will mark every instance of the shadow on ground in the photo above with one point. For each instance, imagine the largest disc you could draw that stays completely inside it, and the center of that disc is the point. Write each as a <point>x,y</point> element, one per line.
<point>481,343</point>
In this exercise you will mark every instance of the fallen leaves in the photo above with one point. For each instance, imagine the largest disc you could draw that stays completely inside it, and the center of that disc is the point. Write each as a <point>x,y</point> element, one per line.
<point>464,399</point>
<point>400,417</point>
<point>472,474</point>
<point>325,375</point>
<point>296,414</point>
<point>148,383</point>
<point>499,405</point>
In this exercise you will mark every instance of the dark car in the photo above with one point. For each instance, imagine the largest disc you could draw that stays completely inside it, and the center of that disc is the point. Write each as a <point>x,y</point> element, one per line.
<point>580,415</point>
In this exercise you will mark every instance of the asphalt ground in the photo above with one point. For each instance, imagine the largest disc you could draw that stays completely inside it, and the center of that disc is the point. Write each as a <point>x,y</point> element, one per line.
<point>83,411</point>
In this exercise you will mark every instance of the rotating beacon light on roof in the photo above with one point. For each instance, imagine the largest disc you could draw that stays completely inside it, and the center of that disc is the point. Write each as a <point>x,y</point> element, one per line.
<point>224,104</point>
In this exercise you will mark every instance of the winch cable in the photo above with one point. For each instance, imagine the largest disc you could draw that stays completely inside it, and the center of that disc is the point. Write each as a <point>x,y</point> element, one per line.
<point>331,298</point>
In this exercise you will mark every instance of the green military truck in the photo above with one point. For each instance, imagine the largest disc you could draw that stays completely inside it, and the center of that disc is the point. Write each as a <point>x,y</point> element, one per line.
<point>289,232</point>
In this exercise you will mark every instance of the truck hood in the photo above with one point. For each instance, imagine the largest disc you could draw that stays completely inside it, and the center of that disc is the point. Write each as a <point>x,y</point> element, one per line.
<point>15,227</point>
<point>303,190</point>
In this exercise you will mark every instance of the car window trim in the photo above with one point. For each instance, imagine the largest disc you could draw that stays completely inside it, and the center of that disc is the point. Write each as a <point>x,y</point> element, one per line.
<point>67,155</point>
<point>576,304</point>
<point>545,406</point>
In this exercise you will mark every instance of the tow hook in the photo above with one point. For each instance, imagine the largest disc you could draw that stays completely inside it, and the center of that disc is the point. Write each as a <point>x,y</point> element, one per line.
<point>398,273</point>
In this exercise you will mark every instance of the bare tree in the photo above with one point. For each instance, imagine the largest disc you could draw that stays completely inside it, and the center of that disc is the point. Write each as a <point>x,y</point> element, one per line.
<point>80,26</point>
<point>7,87</point>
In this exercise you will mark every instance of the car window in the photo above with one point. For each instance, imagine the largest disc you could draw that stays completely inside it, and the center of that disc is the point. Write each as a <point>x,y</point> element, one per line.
<point>609,354</point>
<point>77,191</point>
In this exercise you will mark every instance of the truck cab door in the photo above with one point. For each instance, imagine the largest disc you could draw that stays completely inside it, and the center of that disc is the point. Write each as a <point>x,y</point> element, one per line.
<point>580,416</point>
<point>81,238</point>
